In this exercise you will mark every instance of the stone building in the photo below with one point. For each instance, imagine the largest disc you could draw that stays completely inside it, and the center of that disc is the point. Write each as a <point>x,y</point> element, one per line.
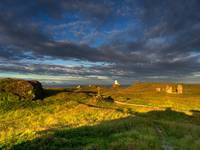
<point>158,89</point>
<point>179,89</point>
<point>169,89</point>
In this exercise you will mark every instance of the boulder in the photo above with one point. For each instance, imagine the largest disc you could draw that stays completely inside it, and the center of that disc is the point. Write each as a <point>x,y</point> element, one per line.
<point>24,89</point>
<point>109,99</point>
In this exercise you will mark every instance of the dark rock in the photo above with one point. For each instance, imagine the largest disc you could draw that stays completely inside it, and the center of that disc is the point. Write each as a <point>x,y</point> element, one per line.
<point>100,98</point>
<point>109,99</point>
<point>29,90</point>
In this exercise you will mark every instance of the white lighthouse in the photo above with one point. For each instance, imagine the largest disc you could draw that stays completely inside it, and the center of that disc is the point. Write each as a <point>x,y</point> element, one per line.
<point>116,84</point>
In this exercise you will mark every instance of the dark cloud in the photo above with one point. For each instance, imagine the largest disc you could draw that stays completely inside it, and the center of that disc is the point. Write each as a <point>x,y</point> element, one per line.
<point>45,69</point>
<point>166,41</point>
<point>25,36</point>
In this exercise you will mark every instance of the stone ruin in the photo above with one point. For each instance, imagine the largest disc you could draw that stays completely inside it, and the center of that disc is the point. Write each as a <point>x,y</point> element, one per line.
<point>92,86</point>
<point>178,89</point>
<point>169,89</point>
<point>116,84</point>
<point>100,98</point>
<point>78,87</point>
<point>158,89</point>
<point>98,92</point>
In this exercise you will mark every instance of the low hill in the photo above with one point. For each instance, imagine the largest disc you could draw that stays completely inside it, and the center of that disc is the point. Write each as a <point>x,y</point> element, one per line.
<point>68,118</point>
<point>151,87</point>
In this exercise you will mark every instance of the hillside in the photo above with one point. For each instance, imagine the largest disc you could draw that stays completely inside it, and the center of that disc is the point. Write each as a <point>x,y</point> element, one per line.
<point>70,118</point>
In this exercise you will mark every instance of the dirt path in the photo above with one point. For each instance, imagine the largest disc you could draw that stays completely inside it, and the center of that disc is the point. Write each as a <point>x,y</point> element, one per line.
<point>165,144</point>
<point>138,105</point>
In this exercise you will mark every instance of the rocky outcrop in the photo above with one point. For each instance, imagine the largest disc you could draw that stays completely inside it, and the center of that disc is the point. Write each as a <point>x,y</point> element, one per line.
<point>28,90</point>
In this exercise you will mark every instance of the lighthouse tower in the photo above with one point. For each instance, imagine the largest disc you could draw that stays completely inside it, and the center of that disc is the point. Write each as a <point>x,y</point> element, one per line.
<point>116,84</point>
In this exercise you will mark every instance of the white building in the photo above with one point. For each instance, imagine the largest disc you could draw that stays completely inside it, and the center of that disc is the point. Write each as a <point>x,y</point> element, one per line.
<point>116,82</point>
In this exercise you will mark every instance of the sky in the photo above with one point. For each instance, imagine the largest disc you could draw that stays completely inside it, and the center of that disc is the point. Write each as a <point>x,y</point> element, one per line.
<point>99,41</point>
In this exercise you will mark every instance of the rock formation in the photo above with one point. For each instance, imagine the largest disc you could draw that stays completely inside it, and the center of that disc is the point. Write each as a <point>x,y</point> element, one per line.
<point>28,90</point>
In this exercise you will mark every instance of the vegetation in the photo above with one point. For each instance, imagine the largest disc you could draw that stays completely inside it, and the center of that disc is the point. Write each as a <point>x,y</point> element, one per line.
<point>72,119</point>
<point>24,89</point>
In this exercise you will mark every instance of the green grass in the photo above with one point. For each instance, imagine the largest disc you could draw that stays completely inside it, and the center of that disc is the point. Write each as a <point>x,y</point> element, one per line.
<point>134,132</point>
<point>145,94</point>
<point>71,119</point>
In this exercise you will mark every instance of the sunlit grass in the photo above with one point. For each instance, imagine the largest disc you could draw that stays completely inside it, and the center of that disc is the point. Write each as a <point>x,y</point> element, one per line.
<point>73,120</point>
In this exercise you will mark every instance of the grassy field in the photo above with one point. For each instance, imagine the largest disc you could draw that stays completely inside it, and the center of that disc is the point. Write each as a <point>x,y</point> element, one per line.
<point>72,119</point>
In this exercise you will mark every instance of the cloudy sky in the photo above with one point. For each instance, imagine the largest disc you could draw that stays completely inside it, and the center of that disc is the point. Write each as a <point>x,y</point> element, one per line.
<point>98,41</point>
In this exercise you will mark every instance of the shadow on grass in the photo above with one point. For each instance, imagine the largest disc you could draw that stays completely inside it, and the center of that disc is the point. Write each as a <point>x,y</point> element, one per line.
<point>134,132</point>
<point>99,106</point>
<point>10,102</point>
<point>52,92</point>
